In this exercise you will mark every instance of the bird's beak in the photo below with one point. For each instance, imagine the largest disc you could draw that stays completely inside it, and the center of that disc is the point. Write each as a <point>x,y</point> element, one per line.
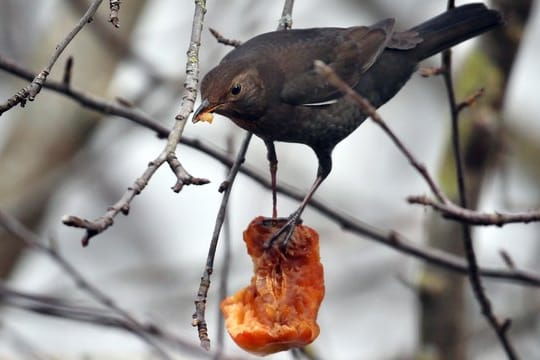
<point>204,112</point>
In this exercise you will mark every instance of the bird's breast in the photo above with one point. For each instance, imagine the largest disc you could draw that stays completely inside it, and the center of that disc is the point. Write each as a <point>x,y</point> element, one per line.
<point>307,125</point>
<point>249,125</point>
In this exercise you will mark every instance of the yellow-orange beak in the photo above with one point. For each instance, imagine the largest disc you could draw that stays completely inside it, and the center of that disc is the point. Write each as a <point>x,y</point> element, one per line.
<point>204,112</point>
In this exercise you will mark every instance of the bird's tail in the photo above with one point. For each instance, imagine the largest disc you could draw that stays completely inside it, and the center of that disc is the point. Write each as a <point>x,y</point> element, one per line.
<point>454,26</point>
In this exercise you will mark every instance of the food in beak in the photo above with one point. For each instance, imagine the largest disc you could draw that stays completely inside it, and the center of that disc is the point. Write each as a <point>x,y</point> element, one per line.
<point>204,112</point>
<point>206,117</point>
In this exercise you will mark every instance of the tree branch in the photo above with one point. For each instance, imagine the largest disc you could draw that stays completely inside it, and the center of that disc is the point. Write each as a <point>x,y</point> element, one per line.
<point>223,40</point>
<point>114,6</point>
<point>456,212</point>
<point>15,228</point>
<point>168,153</point>
<point>200,302</point>
<point>59,308</point>
<point>30,92</point>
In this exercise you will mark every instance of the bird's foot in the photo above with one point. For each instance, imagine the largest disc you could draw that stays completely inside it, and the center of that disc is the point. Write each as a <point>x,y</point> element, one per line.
<point>285,232</point>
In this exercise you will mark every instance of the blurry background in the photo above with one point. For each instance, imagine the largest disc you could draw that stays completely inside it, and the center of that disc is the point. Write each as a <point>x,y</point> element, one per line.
<point>57,158</point>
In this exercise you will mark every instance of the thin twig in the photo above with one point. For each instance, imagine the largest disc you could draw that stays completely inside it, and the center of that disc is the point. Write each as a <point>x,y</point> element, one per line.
<point>225,270</point>
<point>89,101</point>
<point>474,276</point>
<point>114,6</point>
<point>200,302</point>
<point>223,40</point>
<point>429,71</point>
<point>456,212</point>
<point>507,259</point>
<point>470,100</point>
<point>59,308</point>
<point>30,92</point>
<point>15,228</point>
<point>68,69</point>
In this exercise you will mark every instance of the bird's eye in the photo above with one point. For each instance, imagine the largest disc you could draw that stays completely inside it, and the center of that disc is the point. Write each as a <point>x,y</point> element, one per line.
<point>235,89</point>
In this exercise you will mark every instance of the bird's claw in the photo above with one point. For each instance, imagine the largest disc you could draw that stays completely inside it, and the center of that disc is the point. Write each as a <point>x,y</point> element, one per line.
<point>284,234</point>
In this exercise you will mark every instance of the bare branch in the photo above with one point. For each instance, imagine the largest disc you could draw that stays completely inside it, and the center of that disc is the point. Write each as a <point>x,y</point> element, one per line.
<point>89,101</point>
<point>182,176</point>
<point>429,71</point>
<point>15,228</point>
<point>68,67</point>
<point>200,302</point>
<point>225,270</point>
<point>223,40</point>
<point>30,92</point>
<point>472,217</point>
<point>507,259</point>
<point>470,100</point>
<point>168,153</point>
<point>114,6</point>
<point>59,308</point>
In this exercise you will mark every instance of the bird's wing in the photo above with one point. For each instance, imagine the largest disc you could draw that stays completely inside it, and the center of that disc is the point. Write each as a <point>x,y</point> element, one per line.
<point>354,53</point>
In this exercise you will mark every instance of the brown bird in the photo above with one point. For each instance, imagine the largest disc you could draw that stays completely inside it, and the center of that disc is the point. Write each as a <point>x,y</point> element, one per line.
<point>269,86</point>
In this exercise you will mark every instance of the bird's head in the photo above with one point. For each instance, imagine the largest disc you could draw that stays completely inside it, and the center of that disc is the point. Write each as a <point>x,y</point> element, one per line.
<point>234,90</point>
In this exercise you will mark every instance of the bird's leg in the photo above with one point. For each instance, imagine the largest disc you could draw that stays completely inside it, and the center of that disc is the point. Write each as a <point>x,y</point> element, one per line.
<point>293,219</point>
<point>273,171</point>
<point>272,160</point>
<point>325,165</point>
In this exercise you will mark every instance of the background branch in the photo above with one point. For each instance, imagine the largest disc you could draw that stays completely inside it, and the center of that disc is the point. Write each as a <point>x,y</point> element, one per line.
<point>62,309</point>
<point>30,92</point>
<point>15,228</point>
<point>455,212</point>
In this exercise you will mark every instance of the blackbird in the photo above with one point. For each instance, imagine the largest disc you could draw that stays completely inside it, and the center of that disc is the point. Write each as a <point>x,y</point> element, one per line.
<point>268,85</point>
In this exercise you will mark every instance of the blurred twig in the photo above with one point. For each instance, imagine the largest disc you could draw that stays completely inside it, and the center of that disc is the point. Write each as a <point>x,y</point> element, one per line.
<point>59,308</point>
<point>30,92</point>
<point>14,227</point>
<point>472,217</point>
<point>223,40</point>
